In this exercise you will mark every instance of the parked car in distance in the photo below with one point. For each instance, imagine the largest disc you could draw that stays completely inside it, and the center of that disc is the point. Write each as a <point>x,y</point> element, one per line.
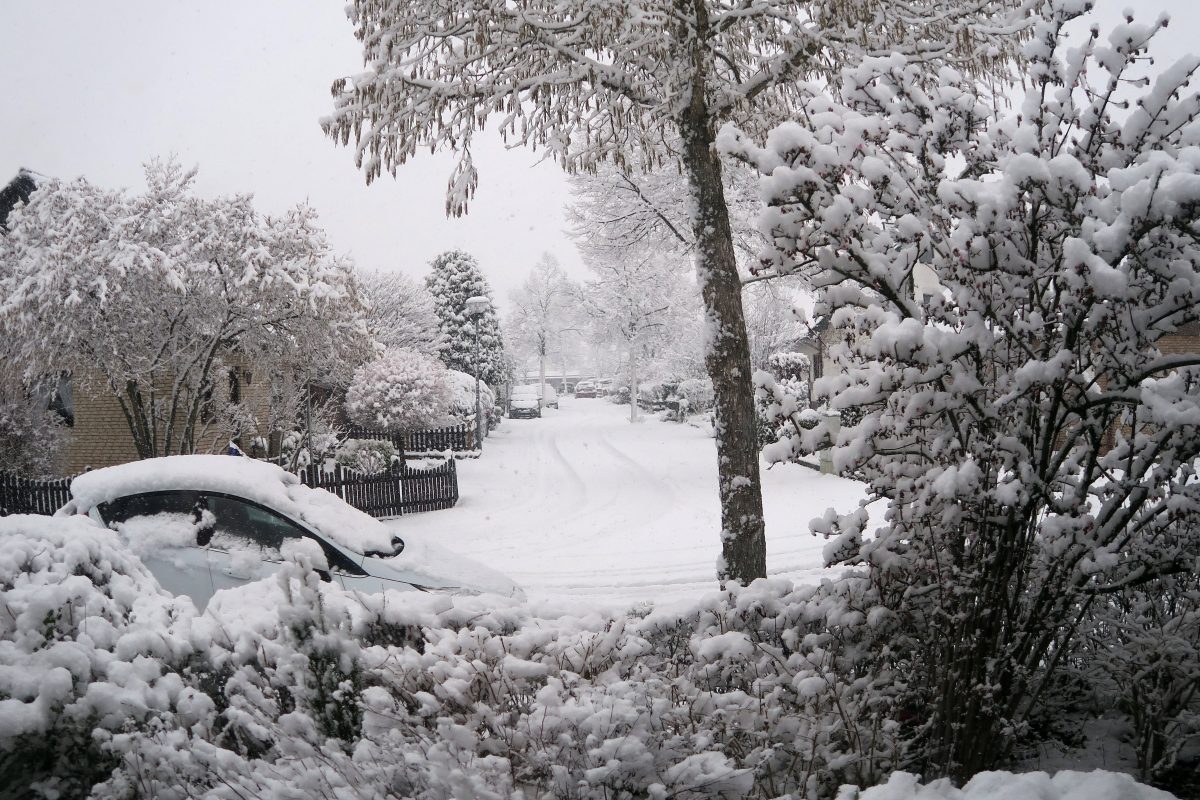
<point>549,397</point>
<point>585,389</point>
<point>525,402</point>
<point>202,523</point>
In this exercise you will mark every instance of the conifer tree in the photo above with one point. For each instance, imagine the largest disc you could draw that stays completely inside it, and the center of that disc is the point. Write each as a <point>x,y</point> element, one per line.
<point>455,277</point>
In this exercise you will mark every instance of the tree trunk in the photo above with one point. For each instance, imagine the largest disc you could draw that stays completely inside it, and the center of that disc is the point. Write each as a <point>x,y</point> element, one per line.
<point>633,382</point>
<point>743,543</point>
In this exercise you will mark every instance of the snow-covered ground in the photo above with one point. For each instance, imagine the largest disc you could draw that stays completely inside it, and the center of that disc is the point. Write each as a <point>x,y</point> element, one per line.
<point>582,505</point>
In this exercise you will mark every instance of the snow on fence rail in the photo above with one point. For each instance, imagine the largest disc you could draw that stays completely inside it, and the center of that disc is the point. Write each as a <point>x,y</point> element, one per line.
<point>417,443</point>
<point>400,490</point>
<point>31,496</point>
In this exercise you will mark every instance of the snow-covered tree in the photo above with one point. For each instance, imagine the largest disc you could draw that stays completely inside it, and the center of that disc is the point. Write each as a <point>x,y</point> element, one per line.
<point>400,390</point>
<point>155,296</point>
<point>639,302</point>
<point>400,312</point>
<point>640,84</point>
<point>1033,437</point>
<point>613,209</point>
<point>773,320</point>
<point>454,278</point>
<point>543,311</point>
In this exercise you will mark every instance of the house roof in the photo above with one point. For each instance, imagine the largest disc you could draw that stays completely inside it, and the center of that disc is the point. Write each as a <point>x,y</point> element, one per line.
<point>18,190</point>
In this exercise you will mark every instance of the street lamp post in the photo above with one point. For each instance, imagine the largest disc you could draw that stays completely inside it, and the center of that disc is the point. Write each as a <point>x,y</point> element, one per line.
<point>475,307</point>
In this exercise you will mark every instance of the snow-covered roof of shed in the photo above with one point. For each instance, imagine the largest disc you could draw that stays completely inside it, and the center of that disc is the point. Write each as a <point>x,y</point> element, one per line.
<point>259,481</point>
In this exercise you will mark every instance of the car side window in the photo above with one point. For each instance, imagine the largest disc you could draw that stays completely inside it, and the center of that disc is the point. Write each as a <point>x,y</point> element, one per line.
<point>240,526</point>
<point>123,509</point>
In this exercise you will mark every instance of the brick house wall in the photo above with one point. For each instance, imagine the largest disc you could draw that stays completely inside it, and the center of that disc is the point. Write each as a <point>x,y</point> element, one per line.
<point>101,437</point>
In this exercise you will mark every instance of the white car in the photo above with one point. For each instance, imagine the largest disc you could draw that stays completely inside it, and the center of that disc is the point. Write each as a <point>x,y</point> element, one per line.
<point>202,523</point>
<point>525,402</point>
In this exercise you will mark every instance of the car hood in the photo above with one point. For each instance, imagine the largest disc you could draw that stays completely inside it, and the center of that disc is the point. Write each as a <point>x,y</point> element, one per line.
<point>427,565</point>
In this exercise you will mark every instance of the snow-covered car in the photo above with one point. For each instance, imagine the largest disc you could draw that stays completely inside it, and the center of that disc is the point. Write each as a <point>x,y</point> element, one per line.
<point>525,402</point>
<point>202,523</point>
<point>550,397</point>
<point>585,389</point>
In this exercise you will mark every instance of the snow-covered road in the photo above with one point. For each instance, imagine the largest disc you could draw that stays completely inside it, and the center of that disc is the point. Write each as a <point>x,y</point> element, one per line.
<point>582,505</point>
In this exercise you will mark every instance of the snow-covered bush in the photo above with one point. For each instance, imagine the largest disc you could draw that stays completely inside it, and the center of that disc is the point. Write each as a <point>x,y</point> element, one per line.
<point>781,398</point>
<point>90,647</point>
<point>698,393</point>
<point>369,456</point>
<point>462,396</point>
<point>399,390</point>
<point>31,437</point>
<point>1138,655</point>
<point>294,685</point>
<point>1032,435</point>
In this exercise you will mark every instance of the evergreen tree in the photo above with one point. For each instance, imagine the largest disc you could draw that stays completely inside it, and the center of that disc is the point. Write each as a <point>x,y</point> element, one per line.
<point>455,277</point>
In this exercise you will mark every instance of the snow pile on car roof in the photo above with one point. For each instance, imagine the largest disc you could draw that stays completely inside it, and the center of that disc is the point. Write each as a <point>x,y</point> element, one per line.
<point>259,481</point>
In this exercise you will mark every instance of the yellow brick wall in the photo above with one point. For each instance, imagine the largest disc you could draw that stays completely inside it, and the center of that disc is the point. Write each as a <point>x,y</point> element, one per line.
<point>101,436</point>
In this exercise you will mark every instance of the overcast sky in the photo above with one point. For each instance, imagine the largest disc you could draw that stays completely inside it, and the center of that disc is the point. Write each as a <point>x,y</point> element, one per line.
<point>237,87</point>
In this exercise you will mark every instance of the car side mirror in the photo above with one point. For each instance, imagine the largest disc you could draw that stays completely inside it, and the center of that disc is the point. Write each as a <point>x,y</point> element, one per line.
<point>324,575</point>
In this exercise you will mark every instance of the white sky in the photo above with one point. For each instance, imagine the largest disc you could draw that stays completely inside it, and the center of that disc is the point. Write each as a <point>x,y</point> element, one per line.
<point>237,88</point>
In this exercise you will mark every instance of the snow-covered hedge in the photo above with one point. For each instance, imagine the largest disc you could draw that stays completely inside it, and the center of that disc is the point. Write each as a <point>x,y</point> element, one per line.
<point>400,389</point>
<point>90,646</point>
<point>298,688</point>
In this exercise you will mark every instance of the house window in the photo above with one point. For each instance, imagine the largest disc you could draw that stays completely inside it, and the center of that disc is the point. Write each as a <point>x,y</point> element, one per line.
<point>237,379</point>
<point>57,397</point>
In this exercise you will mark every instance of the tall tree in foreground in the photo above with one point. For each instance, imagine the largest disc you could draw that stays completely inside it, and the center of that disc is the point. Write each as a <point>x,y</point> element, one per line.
<point>624,82</point>
<point>1033,436</point>
<point>455,278</point>
<point>155,295</point>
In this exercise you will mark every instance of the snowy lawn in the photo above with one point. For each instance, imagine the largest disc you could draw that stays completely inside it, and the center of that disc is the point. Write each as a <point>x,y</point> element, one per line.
<point>583,505</point>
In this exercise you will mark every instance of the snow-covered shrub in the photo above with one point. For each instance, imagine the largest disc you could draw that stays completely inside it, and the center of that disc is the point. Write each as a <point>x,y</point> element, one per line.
<point>1138,654</point>
<point>401,389</point>
<point>369,456</point>
<point>1032,434</point>
<point>31,438</point>
<point>89,648</point>
<point>461,388</point>
<point>754,692</point>
<point>698,393</point>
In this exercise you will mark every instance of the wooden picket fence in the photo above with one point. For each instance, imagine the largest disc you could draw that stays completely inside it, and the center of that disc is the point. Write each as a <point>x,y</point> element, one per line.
<point>400,490</point>
<point>29,496</point>
<point>414,443</point>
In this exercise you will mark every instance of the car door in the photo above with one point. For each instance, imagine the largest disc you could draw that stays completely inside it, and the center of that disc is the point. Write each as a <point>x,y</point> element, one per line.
<point>162,529</point>
<point>247,542</point>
